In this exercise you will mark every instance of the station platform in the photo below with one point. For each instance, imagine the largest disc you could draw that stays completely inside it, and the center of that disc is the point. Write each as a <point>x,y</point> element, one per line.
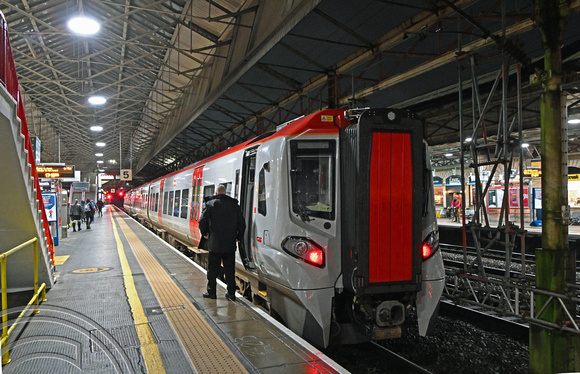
<point>573,230</point>
<point>127,302</point>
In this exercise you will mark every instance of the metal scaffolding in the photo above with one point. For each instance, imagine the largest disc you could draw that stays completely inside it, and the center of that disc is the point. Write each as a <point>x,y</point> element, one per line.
<point>494,151</point>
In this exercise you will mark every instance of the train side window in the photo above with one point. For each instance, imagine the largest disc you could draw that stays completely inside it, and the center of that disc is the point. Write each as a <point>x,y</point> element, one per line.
<point>176,202</point>
<point>165,201</point>
<point>208,191</point>
<point>157,201</point>
<point>262,192</point>
<point>170,204</point>
<point>237,184</point>
<point>184,203</point>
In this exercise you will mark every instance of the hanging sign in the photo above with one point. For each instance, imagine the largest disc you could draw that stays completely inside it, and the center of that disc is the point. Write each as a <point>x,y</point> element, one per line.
<point>126,174</point>
<point>49,171</point>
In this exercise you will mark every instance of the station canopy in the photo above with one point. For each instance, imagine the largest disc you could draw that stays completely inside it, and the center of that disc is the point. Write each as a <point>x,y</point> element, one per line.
<point>184,79</point>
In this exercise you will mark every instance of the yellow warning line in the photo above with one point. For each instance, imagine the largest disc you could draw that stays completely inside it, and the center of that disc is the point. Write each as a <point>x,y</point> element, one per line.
<point>206,350</point>
<point>149,348</point>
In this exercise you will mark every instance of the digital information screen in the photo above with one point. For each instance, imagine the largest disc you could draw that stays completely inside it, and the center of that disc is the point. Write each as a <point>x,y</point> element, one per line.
<point>55,171</point>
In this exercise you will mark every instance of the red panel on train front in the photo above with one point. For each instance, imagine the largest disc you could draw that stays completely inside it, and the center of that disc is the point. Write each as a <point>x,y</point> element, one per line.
<point>391,197</point>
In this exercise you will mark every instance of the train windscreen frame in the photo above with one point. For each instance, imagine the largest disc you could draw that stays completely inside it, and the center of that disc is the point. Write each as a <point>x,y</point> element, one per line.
<point>312,178</point>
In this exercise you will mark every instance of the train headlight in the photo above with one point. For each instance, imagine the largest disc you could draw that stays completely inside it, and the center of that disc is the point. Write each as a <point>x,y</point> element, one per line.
<point>304,249</point>
<point>430,245</point>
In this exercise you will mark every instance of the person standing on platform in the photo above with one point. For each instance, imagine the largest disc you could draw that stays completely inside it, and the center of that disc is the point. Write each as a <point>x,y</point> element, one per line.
<point>89,213</point>
<point>76,215</point>
<point>93,209</point>
<point>456,205</point>
<point>222,224</point>
<point>100,207</point>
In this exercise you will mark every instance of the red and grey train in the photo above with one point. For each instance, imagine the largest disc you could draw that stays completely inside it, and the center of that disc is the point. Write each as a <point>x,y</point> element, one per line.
<point>341,232</point>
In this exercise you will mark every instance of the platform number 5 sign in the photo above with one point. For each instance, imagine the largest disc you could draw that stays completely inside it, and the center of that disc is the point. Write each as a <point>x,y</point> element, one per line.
<point>126,174</point>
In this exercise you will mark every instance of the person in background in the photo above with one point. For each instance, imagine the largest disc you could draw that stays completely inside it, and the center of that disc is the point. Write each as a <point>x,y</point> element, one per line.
<point>93,210</point>
<point>100,207</point>
<point>76,214</point>
<point>456,205</point>
<point>222,224</point>
<point>89,213</point>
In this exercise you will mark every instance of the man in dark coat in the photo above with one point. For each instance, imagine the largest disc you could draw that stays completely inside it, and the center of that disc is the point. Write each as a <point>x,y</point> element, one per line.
<point>222,224</point>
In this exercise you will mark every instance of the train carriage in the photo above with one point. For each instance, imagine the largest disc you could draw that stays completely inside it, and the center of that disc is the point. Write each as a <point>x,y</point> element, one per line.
<point>341,230</point>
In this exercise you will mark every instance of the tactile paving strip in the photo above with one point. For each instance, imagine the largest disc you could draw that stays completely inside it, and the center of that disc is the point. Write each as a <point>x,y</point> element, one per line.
<point>207,352</point>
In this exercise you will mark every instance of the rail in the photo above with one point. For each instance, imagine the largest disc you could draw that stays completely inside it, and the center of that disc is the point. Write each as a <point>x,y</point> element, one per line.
<point>9,79</point>
<point>37,292</point>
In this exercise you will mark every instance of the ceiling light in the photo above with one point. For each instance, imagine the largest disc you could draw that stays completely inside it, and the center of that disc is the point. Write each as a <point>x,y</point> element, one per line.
<point>100,161</point>
<point>102,170</point>
<point>448,154</point>
<point>525,145</point>
<point>467,140</point>
<point>112,161</point>
<point>574,121</point>
<point>96,128</point>
<point>99,154</point>
<point>97,100</point>
<point>83,25</point>
<point>100,144</point>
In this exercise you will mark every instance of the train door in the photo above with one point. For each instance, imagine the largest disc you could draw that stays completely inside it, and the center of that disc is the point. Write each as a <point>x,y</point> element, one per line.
<point>196,204</point>
<point>247,203</point>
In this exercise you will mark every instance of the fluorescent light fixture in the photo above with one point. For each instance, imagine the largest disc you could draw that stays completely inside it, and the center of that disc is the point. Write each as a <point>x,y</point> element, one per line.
<point>99,154</point>
<point>448,154</point>
<point>112,161</point>
<point>525,145</point>
<point>97,100</point>
<point>100,144</point>
<point>100,161</point>
<point>83,25</point>
<point>574,121</point>
<point>96,128</point>
<point>102,170</point>
<point>467,140</point>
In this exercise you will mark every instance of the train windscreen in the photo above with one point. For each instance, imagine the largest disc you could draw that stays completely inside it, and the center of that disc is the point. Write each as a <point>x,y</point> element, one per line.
<point>312,178</point>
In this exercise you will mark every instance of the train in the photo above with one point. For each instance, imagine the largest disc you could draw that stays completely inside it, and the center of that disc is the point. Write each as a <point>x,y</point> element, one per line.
<point>342,238</point>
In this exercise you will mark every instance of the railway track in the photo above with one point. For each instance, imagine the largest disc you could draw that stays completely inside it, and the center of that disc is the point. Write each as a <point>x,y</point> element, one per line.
<point>495,255</point>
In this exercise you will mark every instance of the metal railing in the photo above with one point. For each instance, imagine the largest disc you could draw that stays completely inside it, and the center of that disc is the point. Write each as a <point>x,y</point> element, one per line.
<point>38,290</point>
<point>9,79</point>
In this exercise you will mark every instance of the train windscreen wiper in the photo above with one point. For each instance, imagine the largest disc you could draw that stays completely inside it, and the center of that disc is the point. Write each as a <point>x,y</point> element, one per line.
<point>301,207</point>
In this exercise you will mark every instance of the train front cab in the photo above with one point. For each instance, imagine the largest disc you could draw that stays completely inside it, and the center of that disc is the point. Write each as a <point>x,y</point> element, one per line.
<point>387,217</point>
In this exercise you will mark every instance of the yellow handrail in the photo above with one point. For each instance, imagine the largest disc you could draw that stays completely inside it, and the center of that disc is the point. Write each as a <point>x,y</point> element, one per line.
<point>37,291</point>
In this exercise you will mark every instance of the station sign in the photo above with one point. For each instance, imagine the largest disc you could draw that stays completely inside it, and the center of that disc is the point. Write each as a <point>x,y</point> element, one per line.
<point>534,173</point>
<point>55,171</point>
<point>453,180</point>
<point>126,174</point>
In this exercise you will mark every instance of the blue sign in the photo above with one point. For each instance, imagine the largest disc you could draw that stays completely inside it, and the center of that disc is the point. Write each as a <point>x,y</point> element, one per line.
<point>49,200</point>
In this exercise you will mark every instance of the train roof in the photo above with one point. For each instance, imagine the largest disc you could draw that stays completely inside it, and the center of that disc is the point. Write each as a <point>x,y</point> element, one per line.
<point>324,122</point>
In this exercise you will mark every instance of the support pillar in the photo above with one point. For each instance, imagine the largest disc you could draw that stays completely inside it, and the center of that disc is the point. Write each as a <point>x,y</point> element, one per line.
<point>552,350</point>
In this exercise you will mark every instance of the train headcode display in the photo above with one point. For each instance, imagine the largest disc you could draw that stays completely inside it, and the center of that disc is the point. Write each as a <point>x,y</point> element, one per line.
<point>46,171</point>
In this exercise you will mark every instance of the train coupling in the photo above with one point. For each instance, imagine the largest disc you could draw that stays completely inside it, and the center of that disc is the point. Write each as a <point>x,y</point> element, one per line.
<point>390,313</point>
